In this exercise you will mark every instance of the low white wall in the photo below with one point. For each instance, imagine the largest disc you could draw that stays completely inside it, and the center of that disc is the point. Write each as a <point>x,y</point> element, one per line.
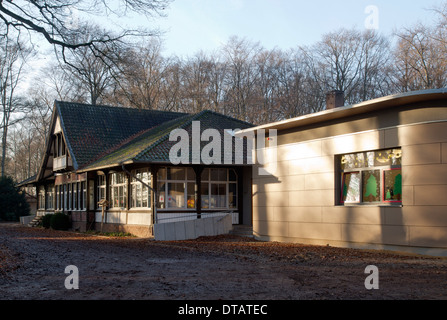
<point>193,229</point>
<point>26,219</point>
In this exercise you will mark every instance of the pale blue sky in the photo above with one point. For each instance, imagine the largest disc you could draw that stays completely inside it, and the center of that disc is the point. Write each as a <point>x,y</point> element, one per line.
<point>194,25</point>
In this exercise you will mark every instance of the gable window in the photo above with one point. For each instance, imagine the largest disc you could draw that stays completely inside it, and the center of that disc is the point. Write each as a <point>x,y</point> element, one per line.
<point>140,192</point>
<point>176,188</point>
<point>219,189</point>
<point>59,145</point>
<point>373,177</point>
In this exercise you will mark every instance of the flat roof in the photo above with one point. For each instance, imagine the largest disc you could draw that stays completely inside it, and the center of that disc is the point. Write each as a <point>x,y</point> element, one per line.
<point>355,109</point>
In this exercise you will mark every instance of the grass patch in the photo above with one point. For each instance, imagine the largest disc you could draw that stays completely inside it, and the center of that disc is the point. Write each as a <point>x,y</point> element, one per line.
<point>109,234</point>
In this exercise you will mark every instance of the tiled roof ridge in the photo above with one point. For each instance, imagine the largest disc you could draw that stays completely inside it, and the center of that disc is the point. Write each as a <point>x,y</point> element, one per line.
<point>61,102</point>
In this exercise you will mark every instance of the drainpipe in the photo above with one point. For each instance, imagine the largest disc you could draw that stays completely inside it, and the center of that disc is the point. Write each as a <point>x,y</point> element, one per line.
<point>154,209</point>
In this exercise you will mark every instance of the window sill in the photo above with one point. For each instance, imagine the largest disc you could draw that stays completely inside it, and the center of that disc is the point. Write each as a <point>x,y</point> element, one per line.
<point>386,205</point>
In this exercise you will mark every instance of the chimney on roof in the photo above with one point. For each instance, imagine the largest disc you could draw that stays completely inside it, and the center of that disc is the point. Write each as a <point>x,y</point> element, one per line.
<point>335,99</point>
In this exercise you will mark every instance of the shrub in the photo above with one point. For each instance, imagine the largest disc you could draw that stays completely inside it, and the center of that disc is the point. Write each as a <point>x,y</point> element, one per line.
<point>13,204</point>
<point>46,220</point>
<point>60,221</point>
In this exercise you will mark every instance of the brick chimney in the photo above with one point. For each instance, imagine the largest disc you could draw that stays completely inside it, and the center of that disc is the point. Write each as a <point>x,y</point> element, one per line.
<point>335,99</point>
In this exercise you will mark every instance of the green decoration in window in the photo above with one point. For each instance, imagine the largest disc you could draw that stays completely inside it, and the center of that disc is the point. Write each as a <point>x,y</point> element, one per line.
<point>398,186</point>
<point>371,187</point>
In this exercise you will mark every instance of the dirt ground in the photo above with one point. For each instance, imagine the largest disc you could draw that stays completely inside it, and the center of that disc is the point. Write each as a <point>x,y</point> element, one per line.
<point>33,262</point>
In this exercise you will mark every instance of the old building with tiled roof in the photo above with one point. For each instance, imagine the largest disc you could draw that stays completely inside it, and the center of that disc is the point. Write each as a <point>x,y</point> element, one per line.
<point>122,155</point>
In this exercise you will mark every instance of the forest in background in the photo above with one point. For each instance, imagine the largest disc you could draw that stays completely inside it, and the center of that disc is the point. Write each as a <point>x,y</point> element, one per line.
<point>241,79</point>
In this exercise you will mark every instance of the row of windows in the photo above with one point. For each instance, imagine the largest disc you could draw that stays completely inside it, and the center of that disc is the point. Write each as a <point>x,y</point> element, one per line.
<point>71,197</point>
<point>176,189</point>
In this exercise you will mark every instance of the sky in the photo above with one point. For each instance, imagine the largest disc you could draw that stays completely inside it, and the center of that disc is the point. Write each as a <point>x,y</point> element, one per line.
<point>195,25</point>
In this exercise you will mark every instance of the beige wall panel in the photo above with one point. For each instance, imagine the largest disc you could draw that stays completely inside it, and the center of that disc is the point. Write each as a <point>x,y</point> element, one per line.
<point>295,151</point>
<point>319,181</point>
<point>430,195</point>
<point>297,214</point>
<point>407,195</point>
<point>311,165</point>
<point>271,228</point>
<point>428,237</point>
<point>391,235</point>
<point>353,215</point>
<point>323,231</point>
<point>294,183</point>
<point>271,199</point>
<point>391,138</point>
<point>421,154</point>
<point>276,169</point>
<point>274,184</point>
<point>425,174</point>
<point>353,143</point>
<point>428,216</point>
<point>312,198</point>
<point>263,213</point>
<point>422,133</point>
<point>444,152</point>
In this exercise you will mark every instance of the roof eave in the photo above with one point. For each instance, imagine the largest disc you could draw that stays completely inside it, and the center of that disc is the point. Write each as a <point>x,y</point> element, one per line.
<point>355,109</point>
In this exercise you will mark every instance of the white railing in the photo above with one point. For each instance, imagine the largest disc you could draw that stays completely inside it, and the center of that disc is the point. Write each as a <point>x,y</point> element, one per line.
<point>59,163</point>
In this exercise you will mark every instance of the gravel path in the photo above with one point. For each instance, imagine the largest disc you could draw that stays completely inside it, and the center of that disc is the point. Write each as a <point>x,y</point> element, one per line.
<point>33,262</point>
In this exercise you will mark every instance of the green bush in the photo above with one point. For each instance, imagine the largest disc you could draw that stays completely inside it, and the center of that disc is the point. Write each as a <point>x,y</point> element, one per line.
<point>60,221</point>
<point>13,204</point>
<point>46,220</point>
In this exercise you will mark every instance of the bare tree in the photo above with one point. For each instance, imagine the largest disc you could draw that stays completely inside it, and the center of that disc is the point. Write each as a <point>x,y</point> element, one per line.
<point>13,57</point>
<point>53,20</point>
<point>240,55</point>
<point>143,76</point>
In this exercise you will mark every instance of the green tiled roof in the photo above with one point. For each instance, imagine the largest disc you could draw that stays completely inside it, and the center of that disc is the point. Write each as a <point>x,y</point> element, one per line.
<point>102,136</point>
<point>92,132</point>
<point>153,145</point>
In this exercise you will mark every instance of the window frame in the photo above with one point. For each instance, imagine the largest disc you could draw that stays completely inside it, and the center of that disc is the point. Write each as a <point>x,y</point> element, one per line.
<point>137,188</point>
<point>361,172</point>
<point>209,183</point>
<point>122,197</point>
<point>164,183</point>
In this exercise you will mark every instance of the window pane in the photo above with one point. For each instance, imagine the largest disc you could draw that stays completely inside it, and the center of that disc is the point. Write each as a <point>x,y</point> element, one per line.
<point>214,175</point>
<point>232,175</point>
<point>392,180</point>
<point>191,175</point>
<point>161,203</point>
<point>218,195</point>
<point>205,195</point>
<point>161,174</point>
<point>206,175</point>
<point>371,185</point>
<point>176,174</point>
<point>351,187</point>
<point>223,175</point>
<point>232,195</point>
<point>191,202</point>
<point>145,198</point>
<point>176,195</point>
